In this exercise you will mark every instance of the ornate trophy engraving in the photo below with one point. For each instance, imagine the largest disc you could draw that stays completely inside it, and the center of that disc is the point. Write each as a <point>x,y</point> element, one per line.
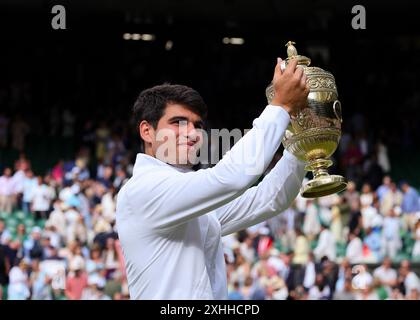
<point>314,133</point>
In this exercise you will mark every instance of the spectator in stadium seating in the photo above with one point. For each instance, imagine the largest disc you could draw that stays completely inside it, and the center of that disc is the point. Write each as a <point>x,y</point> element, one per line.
<point>393,198</point>
<point>410,202</point>
<point>414,294</point>
<point>276,289</point>
<point>106,178</point>
<point>110,257</point>
<point>391,240</point>
<point>396,294</point>
<point>351,195</point>
<point>416,236</point>
<point>410,205</point>
<point>372,243</point>
<point>242,269</point>
<point>21,234</point>
<point>6,191</point>
<point>299,293</point>
<point>326,244</point>
<point>248,288</point>
<point>386,275</point>
<point>57,172</point>
<point>289,216</point>
<point>301,248</point>
<point>76,280</point>
<point>29,184</point>
<point>311,224</point>
<point>235,293</point>
<point>319,291</point>
<point>330,271</point>
<point>18,288</point>
<point>247,249</point>
<point>4,269</point>
<point>354,251</point>
<point>13,250</point>
<point>41,199</point>
<point>40,283</point>
<point>367,293</point>
<point>17,180</point>
<point>384,188</point>
<point>336,225</point>
<point>356,219</point>
<point>108,204</point>
<point>407,278</point>
<point>366,197</point>
<point>4,232</point>
<point>57,219</point>
<point>347,293</point>
<point>309,272</point>
<point>32,246</point>
<point>94,290</point>
<point>120,178</point>
<point>363,281</point>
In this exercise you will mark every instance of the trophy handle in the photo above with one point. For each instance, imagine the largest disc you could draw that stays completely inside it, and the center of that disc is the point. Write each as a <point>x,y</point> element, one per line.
<point>337,110</point>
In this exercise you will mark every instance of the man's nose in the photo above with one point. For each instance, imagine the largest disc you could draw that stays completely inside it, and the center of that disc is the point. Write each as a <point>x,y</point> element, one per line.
<point>190,131</point>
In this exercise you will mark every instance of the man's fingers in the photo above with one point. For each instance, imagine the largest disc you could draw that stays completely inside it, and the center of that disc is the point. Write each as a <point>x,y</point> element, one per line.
<point>306,90</point>
<point>303,80</point>
<point>278,66</point>
<point>291,66</point>
<point>298,73</point>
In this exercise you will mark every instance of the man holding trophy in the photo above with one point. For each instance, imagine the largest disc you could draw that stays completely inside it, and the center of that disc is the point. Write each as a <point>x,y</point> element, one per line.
<point>170,219</point>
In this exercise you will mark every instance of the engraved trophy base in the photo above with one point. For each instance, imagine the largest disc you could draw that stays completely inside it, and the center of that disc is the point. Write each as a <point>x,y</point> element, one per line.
<point>322,184</point>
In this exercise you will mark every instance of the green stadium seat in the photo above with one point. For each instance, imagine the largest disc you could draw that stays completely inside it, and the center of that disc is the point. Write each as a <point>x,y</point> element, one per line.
<point>40,223</point>
<point>29,223</point>
<point>4,215</point>
<point>341,249</point>
<point>11,222</point>
<point>20,215</point>
<point>313,244</point>
<point>402,256</point>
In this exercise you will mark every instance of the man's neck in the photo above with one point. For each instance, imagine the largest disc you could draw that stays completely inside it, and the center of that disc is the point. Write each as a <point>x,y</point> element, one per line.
<point>179,167</point>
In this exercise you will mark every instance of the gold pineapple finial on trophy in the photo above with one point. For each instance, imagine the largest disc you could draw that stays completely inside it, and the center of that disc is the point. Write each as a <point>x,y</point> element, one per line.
<point>291,50</point>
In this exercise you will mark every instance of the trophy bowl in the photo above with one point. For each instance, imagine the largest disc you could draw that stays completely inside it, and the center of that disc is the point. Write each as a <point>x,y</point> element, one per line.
<point>314,132</point>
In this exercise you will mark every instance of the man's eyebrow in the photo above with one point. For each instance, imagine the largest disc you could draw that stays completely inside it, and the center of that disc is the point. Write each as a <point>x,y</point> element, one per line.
<point>182,118</point>
<point>178,118</point>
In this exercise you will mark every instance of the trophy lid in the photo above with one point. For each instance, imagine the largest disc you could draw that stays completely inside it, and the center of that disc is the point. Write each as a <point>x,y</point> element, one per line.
<point>293,54</point>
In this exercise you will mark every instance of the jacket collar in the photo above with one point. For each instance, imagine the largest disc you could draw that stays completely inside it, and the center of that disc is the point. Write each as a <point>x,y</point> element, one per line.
<point>143,160</point>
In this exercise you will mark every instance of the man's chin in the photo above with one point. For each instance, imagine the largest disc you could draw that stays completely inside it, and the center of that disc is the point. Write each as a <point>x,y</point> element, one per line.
<point>187,162</point>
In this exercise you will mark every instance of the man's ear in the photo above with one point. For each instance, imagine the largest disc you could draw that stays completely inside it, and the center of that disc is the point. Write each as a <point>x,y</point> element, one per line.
<point>146,131</point>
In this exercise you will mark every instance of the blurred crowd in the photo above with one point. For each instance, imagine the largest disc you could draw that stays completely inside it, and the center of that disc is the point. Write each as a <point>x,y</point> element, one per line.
<point>57,232</point>
<point>359,245</point>
<point>58,239</point>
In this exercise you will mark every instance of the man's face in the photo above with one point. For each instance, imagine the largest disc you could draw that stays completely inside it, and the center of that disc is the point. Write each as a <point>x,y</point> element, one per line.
<point>7,172</point>
<point>387,263</point>
<point>177,137</point>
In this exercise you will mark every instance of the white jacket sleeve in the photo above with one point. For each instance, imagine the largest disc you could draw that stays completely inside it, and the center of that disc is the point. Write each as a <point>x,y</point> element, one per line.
<point>169,197</point>
<point>270,197</point>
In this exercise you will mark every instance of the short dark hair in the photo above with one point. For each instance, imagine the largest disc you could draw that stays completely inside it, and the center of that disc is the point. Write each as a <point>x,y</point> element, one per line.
<point>151,103</point>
